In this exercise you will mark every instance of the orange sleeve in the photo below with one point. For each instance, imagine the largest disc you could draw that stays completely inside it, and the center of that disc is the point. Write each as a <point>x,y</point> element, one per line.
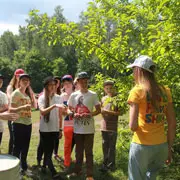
<point>135,95</point>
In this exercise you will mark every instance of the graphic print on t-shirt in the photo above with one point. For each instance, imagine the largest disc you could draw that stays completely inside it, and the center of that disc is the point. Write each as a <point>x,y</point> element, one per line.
<point>82,113</point>
<point>159,115</point>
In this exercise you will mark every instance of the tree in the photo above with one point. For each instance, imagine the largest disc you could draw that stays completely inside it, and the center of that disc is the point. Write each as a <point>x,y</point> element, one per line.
<point>38,68</point>
<point>8,44</point>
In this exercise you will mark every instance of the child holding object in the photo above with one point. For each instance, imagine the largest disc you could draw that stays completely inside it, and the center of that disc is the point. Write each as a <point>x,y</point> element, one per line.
<point>110,113</point>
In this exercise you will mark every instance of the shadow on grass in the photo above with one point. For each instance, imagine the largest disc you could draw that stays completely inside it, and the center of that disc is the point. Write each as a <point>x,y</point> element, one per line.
<point>118,174</point>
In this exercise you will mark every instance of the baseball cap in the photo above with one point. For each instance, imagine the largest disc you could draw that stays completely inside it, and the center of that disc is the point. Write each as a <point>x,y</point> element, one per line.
<point>18,72</point>
<point>144,62</point>
<point>48,79</point>
<point>24,75</point>
<point>108,82</point>
<point>67,77</point>
<point>82,75</point>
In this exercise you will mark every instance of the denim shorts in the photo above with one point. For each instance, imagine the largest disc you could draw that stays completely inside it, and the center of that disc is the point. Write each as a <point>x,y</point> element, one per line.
<point>146,160</point>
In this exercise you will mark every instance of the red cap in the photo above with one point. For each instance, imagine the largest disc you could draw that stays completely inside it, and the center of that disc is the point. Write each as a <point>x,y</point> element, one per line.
<point>18,72</point>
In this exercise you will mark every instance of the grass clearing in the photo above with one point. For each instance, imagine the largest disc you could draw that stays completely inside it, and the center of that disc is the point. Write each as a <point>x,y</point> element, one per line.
<point>167,173</point>
<point>118,174</point>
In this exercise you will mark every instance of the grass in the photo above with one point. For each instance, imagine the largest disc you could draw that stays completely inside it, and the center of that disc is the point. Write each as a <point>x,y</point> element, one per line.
<point>118,174</point>
<point>171,172</point>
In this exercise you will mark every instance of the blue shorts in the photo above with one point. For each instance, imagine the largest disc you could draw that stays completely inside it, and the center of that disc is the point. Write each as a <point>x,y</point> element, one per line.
<point>146,160</point>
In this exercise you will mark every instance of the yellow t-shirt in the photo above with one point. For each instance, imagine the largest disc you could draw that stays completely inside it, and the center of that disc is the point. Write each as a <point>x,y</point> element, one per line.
<point>19,99</point>
<point>150,124</point>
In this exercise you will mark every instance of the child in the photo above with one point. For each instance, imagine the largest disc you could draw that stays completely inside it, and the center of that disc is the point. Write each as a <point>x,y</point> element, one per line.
<point>49,105</point>
<point>85,105</point>
<point>3,106</point>
<point>150,107</point>
<point>67,82</point>
<point>110,113</point>
<point>13,85</point>
<point>22,99</point>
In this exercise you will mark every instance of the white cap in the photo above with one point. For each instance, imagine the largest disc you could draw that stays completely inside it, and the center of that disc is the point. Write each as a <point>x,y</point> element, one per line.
<point>144,62</point>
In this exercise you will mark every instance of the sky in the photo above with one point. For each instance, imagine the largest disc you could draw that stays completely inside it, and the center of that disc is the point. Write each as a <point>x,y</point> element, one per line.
<point>14,12</point>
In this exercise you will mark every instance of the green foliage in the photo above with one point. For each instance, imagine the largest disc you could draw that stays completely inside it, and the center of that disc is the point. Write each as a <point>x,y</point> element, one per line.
<point>120,88</point>
<point>8,44</point>
<point>7,70</point>
<point>38,68</point>
<point>109,36</point>
<point>59,67</point>
<point>123,144</point>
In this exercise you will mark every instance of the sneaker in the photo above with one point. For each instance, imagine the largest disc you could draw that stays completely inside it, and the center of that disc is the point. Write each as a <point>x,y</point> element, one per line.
<point>89,178</point>
<point>27,173</point>
<point>74,175</point>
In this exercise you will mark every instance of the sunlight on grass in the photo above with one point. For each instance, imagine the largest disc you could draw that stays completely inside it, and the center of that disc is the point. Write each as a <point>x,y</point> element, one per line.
<point>118,174</point>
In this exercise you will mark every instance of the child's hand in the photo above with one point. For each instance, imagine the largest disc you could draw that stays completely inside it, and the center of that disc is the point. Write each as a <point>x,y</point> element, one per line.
<point>9,116</point>
<point>60,134</point>
<point>61,106</point>
<point>77,115</point>
<point>103,111</point>
<point>27,107</point>
<point>87,115</point>
<point>83,115</point>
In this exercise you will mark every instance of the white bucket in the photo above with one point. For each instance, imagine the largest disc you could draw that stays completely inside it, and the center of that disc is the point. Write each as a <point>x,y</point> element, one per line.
<point>9,167</point>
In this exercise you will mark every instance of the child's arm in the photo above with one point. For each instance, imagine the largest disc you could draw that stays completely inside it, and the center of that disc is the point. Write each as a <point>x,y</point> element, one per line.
<point>97,111</point>
<point>109,112</point>
<point>3,108</point>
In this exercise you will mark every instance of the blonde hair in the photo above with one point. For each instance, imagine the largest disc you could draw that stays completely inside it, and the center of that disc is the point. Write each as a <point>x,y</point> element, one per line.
<point>149,84</point>
<point>13,82</point>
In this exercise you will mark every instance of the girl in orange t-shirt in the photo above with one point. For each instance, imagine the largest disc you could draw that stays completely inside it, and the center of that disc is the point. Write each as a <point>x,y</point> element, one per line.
<point>150,105</point>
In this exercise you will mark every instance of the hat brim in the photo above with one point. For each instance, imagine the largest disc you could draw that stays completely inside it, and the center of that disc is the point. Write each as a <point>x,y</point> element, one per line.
<point>134,65</point>
<point>130,66</point>
<point>67,79</point>
<point>82,78</point>
<point>24,76</point>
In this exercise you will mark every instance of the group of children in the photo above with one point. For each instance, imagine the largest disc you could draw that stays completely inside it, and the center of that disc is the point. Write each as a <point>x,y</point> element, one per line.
<point>67,107</point>
<point>72,109</point>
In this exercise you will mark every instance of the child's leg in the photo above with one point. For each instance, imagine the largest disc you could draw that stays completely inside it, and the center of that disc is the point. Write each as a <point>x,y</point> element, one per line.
<point>112,149</point>
<point>158,158</point>
<point>105,147</point>
<point>27,129</point>
<point>40,151</point>
<point>56,143</point>
<point>79,140</point>
<point>138,161</point>
<point>68,135</point>
<point>88,146</point>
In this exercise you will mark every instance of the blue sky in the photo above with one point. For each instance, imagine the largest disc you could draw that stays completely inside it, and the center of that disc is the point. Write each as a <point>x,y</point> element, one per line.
<point>14,12</point>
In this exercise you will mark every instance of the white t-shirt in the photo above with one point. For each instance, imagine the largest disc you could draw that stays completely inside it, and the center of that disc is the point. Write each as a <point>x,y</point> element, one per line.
<point>53,124</point>
<point>3,101</point>
<point>83,103</point>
